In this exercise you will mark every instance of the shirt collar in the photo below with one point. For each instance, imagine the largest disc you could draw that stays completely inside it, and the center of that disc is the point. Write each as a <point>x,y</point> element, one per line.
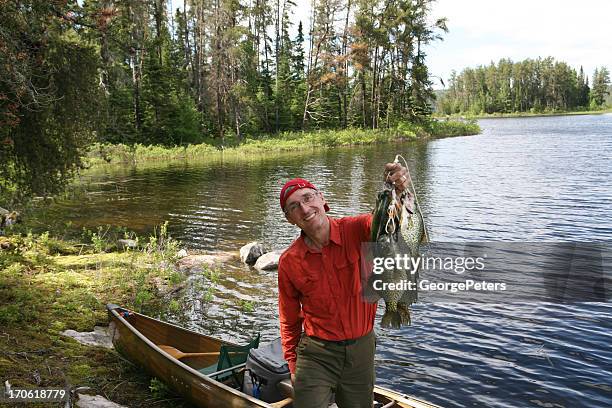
<point>334,236</point>
<point>334,231</point>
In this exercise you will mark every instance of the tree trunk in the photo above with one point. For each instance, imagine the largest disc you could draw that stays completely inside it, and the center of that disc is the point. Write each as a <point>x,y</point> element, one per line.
<point>276,56</point>
<point>373,97</point>
<point>309,66</point>
<point>135,65</point>
<point>345,90</point>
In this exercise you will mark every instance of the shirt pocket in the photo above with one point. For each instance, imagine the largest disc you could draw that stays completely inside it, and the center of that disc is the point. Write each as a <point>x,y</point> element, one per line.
<point>317,299</point>
<point>349,276</point>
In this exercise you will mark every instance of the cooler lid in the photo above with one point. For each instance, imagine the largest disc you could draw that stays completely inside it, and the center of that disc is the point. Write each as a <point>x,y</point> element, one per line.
<point>270,355</point>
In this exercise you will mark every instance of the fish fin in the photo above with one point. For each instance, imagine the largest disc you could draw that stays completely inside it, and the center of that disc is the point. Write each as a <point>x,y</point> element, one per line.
<point>404,312</point>
<point>391,320</point>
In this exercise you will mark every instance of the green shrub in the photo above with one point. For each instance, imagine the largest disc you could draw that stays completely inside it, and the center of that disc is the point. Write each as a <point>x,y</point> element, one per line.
<point>453,127</point>
<point>159,389</point>
<point>285,141</point>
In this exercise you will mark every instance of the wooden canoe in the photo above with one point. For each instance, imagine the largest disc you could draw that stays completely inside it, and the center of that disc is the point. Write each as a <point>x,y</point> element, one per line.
<point>138,337</point>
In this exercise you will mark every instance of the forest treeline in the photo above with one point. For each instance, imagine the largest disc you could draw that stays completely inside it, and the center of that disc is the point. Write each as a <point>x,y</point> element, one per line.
<point>232,68</point>
<point>215,71</point>
<point>533,85</point>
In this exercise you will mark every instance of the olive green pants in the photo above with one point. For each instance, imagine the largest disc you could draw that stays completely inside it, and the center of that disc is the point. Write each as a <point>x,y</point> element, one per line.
<point>325,367</point>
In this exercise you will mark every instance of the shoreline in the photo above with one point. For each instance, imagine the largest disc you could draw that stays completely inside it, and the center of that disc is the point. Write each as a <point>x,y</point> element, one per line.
<point>521,114</point>
<point>102,155</point>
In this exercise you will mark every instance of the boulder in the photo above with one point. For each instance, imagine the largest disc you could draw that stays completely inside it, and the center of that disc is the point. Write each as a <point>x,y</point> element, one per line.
<point>269,260</point>
<point>6,244</point>
<point>99,337</point>
<point>123,244</point>
<point>195,263</point>
<point>251,252</point>
<point>96,401</point>
<point>182,253</point>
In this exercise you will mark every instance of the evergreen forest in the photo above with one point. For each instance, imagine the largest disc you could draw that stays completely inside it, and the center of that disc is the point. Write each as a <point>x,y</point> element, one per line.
<point>210,71</point>
<point>533,85</point>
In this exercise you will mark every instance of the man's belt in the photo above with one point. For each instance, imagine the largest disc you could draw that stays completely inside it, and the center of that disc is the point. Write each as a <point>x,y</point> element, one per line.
<point>339,342</point>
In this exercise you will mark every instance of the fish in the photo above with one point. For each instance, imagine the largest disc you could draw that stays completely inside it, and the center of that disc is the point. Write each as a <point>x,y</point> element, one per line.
<point>396,231</point>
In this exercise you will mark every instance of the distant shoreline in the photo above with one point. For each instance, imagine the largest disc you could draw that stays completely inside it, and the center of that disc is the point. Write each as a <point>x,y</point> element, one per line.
<point>522,114</point>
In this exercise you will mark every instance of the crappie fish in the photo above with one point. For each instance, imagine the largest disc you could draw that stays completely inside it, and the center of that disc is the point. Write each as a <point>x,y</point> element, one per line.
<point>395,231</point>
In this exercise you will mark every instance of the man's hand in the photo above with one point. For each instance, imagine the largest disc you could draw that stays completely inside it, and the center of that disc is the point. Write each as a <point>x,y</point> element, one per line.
<point>397,174</point>
<point>293,379</point>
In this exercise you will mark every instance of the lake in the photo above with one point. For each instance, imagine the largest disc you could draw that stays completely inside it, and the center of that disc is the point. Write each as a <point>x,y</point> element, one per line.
<point>539,179</point>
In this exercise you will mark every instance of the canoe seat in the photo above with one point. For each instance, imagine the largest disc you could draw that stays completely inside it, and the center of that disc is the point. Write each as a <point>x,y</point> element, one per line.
<point>231,358</point>
<point>227,371</point>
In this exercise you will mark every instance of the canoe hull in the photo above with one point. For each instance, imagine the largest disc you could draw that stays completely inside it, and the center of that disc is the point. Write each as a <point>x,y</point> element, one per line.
<point>137,337</point>
<point>187,382</point>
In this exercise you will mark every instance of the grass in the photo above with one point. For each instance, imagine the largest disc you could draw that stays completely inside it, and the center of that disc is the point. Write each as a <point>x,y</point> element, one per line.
<point>442,128</point>
<point>282,142</point>
<point>48,285</point>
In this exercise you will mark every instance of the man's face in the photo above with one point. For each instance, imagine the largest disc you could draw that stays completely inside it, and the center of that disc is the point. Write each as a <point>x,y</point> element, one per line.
<point>305,208</point>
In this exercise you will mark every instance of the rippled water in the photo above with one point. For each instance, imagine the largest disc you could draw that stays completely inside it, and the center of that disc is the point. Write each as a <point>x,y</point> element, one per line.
<point>528,179</point>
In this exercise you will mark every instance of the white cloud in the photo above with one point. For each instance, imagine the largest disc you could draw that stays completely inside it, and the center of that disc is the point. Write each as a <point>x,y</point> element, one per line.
<point>578,33</point>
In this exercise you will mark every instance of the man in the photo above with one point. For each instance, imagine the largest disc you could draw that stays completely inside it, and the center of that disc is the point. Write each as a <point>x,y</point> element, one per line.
<point>320,290</point>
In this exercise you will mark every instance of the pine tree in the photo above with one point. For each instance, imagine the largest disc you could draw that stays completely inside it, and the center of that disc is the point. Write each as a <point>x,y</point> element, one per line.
<point>601,83</point>
<point>297,70</point>
<point>49,97</point>
<point>582,98</point>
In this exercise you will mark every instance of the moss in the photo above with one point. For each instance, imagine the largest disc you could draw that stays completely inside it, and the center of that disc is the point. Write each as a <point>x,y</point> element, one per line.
<point>79,371</point>
<point>43,292</point>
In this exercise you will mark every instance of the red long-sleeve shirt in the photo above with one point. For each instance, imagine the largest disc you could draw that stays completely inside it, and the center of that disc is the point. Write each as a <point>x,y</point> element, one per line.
<point>321,290</point>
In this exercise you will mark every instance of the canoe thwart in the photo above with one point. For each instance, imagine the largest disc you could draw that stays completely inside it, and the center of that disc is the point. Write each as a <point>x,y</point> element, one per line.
<point>282,403</point>
<point>285,387</point>
<point>178,354</point>
<point>227,370</point>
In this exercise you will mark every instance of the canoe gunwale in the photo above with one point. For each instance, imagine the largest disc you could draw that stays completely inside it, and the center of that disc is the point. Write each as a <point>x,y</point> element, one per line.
<point>177,362</point>
<point>404,398</point>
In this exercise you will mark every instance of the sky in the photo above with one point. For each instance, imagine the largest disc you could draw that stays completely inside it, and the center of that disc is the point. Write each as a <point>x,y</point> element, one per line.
<point>481,31</point>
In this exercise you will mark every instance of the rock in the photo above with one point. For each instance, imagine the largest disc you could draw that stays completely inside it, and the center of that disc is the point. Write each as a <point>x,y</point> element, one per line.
<point>96,401</point>
<point>123,244</point>
<point>8,219</point>
<point>99,337</point>
<point>251,252</point>
<point>6,244</point>
<point>165,289</point>
<point>195,263</point>
<point>182,253</point>
<point>269,261</point>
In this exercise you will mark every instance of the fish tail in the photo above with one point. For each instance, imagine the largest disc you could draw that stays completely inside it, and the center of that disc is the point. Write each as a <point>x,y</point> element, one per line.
<point>404,312</point>
<point>391,319</point>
